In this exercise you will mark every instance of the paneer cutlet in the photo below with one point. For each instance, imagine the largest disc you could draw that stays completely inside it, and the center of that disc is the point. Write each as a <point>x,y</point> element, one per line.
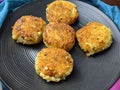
<point>53,64</point>
<point>59,35</point>
<point>62,11</point>
<point>94,37</point>
<point>28,30</point>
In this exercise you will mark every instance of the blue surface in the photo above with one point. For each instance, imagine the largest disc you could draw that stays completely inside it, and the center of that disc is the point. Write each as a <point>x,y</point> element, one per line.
<point>7,6</point>
<point>2,86</point>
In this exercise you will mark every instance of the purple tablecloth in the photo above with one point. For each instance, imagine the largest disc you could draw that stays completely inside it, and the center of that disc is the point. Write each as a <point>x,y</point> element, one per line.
<point>116,86</point>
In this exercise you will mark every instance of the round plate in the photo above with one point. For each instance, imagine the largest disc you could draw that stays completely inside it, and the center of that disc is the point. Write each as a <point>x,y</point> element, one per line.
<point>97,72</point>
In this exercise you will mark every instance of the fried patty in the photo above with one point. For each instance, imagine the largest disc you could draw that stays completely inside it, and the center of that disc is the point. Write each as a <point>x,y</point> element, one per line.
<point>28,29</point>
<point>94,37</point>
<point>53,64</point>
<point>59,35</point>
<point>62,11</point>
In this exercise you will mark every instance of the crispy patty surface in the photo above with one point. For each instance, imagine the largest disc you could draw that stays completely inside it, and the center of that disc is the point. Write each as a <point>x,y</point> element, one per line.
<point>28,29</point>
<point>53,64</point>
<point>94,37</point>
<point>62,11</point>
<point>59,35</point>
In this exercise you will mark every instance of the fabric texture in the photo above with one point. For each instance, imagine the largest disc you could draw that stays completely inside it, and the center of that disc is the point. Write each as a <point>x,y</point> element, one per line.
<point>113,12</point>
<point>7,6</point>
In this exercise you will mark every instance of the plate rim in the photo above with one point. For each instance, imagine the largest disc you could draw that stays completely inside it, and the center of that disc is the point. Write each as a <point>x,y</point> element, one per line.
<point>91,6</point>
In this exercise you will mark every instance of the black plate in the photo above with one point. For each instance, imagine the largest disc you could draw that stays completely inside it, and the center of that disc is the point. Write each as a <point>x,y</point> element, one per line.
<point>97,72</point>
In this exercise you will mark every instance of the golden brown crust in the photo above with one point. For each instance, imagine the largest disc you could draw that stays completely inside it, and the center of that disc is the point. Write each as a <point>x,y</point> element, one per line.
<point>59,35</point>
<point>94,37</point>
<point>53,64</point>
<point>62,11</point>
<point>28,29</point>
